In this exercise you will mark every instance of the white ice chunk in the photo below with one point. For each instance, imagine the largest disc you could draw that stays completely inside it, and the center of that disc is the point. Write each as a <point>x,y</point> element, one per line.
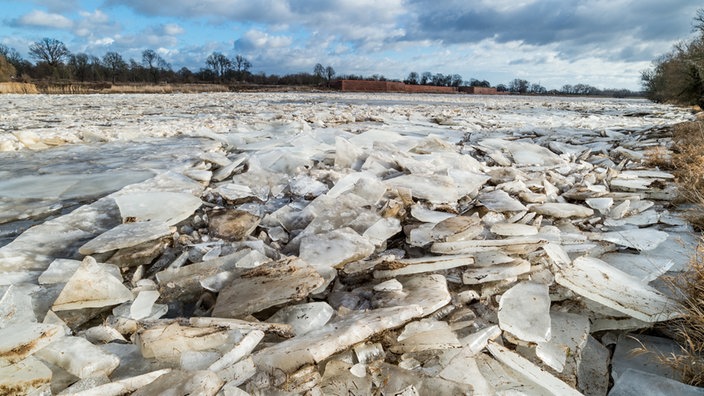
<point>678,247</point>
<point>125,235</point>
<point>304,317</point>
<point>389,285</point>
<point>234,192</point>
<point>243,348</point>
<point>142,305</point>
<point>382,230</point>
<point>15,308</point>
<point>562,210</point>
<point>436,189</point>
<point>20,340</point>
<point>25,377</point>
<point>634,382</point>
<point>642,352</point>
<point>598,281</point>
<point>91,286</point>
<point>497,272</point>
<point>178,382</point>
<point>531,372</point>
<point>167,342</point>
<point>569,334</point>
<point>79,357</point>
<point>265,286</point>
<point>646,268</point>
<point>306,186</point>
<point>335,248</point>
<point>427,334</point>
<point>159,206</point>
<point>336,336</point>
<point>603,205</point>
<point>524,311</point>
<point>513,229</point>
<point>637,238</point>
<point>500,201</point>
<point>593,370</point>
<point>429,216</point>
<point>390,269</point>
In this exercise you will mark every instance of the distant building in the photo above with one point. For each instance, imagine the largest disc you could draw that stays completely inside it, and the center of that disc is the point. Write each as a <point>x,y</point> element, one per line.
<point>479,90</point>
<point>392,86</point>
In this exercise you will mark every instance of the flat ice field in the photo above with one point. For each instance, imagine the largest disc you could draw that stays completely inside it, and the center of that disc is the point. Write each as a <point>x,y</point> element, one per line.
<point>321,242</point>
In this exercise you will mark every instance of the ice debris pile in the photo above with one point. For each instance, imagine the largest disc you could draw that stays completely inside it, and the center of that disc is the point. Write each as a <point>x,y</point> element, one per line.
<point>368,256</point>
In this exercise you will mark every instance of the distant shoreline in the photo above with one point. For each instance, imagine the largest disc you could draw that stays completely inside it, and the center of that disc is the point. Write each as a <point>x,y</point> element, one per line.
<point>75,88</point>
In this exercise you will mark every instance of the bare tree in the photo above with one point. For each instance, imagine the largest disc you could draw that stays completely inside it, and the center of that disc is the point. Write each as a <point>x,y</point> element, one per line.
<point>241,65</point>
<point>329,73</point>
<point>319,71</point>
<point>114,62</point>
<point>51,51</point>
<point>154,63</point>
<point>79,66</point>
<point>219,64</point>
<point>412,79</point>
<point>426,78</point>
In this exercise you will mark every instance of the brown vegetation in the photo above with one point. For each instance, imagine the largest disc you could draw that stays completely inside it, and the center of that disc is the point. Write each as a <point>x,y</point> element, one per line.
<point>687,163</point>
<point>7,71</point>
<point>17,88</point>
<point>688,167</point>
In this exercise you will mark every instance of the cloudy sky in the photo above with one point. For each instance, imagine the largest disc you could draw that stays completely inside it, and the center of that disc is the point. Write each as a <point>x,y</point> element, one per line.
<point>605,43</point>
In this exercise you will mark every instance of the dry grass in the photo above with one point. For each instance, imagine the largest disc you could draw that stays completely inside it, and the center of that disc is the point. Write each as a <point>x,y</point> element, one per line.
<point>687,163</point>
<point>17,88</point>
<point>688,166</point>
<point>107,88</point>
<point>689,330</point>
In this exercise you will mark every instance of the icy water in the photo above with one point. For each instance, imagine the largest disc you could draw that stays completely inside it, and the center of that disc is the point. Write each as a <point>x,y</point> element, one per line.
<point>473,232</point>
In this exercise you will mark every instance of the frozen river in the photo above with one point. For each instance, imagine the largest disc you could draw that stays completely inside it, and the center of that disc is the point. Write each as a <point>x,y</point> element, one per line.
<point>335,218</point>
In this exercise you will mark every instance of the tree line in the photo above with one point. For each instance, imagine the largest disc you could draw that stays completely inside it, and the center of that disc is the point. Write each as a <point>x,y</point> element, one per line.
<point>678,76</point>
<point>55,63</point>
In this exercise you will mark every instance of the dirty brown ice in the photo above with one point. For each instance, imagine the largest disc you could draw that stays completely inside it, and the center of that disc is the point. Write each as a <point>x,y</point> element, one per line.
<point>335,245</point>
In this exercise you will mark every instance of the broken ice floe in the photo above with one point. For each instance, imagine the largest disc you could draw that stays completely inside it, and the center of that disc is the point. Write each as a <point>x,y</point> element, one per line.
<point>361,242</point>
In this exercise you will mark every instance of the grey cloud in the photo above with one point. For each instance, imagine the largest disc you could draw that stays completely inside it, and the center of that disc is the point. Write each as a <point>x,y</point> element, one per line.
<point>58,5</point>
<point>574,27</point>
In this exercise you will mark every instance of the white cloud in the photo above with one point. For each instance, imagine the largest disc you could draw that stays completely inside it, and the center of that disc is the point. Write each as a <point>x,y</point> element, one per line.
<point>254,40</point>
<point>172,29</point>
<point>96,16</point>
<point>40,18</point>
<point>105,41</point>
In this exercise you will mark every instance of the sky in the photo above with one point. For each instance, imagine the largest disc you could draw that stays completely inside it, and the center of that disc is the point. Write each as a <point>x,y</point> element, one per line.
<point>603,43</point>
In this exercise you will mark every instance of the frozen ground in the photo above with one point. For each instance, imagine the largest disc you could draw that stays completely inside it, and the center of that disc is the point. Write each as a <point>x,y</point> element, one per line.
<point>390,241</point>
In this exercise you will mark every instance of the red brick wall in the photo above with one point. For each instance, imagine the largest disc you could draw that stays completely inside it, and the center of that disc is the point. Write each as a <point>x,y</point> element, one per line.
<point>371,86</point>
<point>429,89</point>
<point>479,90</point>
<point>388,86</point>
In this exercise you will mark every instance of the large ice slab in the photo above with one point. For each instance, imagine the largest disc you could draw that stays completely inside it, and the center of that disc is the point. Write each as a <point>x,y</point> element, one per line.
<point>167,207</point>
<point>336,336</point>
<point>634,382</point>
<point>125,235</point>
<point>334,249</point>
<point>436,189</point>
<point>265,286</point>
<point>524,311</point>
<point>637,238</point>
<point>598,281</point>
